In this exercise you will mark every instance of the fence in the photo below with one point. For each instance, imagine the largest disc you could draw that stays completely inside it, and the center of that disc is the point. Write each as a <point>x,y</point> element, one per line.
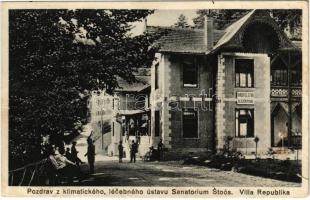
<point>29,175</point>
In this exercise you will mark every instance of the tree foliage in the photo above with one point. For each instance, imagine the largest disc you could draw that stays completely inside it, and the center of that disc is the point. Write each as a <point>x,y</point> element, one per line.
<point>290,19</point>
<point>55,58</point>
<point>182,22</point>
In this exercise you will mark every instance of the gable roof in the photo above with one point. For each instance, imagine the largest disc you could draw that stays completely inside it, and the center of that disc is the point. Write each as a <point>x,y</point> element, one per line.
<point>143,77</point>
<point>189,40</point>
<point>186,40</point>
<point>231,30</point>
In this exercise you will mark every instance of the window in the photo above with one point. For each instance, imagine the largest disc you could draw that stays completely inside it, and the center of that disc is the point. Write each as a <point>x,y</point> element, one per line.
<point>140,102</point>
<point>113,129</point>
<point>244,70</point>
<point>143,127</point>
<point>296,77</point>
<point>157,123</point>
<point>156,76</point>
<point>190,122</point>
<point>190,74</point>
<point>279,77</point>
<point>123,130</point>
<point>244,123</point>
<point>132,127</point>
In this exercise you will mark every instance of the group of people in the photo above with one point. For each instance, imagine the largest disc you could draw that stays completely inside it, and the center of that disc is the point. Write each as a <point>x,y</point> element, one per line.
<point>134,151</point>
<point>67,163</point>
<point>61,165</point>
<point>72,154</point>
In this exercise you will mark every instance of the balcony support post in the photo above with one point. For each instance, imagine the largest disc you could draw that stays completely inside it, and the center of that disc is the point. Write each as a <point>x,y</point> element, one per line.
<point>289,126</point>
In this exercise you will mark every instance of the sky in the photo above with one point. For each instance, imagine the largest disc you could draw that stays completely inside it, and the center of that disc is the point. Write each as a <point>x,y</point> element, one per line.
<point>169,17</point>
<point>164,18</point>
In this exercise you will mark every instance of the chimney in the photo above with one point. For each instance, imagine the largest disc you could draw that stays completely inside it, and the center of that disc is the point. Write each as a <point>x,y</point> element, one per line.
<point>145,24</point>
<point>208,32</point>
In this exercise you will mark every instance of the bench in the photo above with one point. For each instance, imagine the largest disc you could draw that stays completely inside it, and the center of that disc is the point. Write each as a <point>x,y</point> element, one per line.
<point>56,177</point>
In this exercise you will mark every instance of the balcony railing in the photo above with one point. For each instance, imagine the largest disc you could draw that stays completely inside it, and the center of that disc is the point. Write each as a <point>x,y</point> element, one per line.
<point>282,91</point>
<point>296,141</point>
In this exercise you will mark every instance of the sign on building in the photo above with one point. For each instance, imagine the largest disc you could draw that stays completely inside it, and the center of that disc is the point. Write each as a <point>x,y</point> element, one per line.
<point>245,97</point>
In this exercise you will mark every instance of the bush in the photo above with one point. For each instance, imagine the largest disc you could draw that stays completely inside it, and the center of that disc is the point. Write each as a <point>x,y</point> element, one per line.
<point>277,169</point>
<point>226,159</point>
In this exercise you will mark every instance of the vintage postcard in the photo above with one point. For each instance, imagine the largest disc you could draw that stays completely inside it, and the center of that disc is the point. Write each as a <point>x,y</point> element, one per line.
<point>155,99</point>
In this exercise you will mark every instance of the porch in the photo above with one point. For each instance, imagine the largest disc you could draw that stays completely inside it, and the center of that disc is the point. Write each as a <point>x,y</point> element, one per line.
<point>135,125</point>
<point>286,100</point>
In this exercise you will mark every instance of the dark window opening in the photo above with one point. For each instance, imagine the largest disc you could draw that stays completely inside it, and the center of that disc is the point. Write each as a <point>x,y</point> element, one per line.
<point>143,125</point>
<point>143,130</point>
<point>296,77</point>
<point>156,76</point>
<point>123,130</point>
<point>244,70</point>
<point>190,124</point>
<point>132,127</point>
<point>113,129</point>
<point>190,74</point>
<point>157,123</point>
<point>279,77</point>
<point>244,123</point>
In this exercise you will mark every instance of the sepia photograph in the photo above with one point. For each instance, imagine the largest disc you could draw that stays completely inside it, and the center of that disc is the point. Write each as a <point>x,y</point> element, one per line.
<point>156,98</point>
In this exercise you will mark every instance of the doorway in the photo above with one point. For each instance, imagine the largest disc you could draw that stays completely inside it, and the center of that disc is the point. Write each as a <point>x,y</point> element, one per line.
<point>279,122</point>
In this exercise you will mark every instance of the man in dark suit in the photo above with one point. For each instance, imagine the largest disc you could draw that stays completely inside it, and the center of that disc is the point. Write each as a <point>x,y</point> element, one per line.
<point>133,151</point>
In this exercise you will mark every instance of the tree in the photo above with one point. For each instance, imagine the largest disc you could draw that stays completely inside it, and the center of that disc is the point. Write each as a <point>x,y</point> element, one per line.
<point>182,22</point>
<point>56,57</point>
<point>290,21</point>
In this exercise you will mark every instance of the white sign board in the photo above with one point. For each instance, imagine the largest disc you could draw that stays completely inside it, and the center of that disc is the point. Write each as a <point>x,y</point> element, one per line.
<point>245,97</point>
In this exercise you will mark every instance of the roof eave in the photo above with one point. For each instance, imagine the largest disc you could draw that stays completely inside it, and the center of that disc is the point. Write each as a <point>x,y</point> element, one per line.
<point>185,52</point>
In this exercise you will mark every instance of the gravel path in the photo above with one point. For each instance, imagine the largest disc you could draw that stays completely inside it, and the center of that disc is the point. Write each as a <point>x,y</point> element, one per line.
<point>112,173</point>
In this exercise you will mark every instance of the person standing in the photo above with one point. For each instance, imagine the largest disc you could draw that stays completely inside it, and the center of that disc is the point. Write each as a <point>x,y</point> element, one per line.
<point>160,149</point>
<point>91,155</point>
<point>133,151</point>
<point>74,154</point>
<point>120,151</point>
<point>89,138</point>
<point>68,154</point>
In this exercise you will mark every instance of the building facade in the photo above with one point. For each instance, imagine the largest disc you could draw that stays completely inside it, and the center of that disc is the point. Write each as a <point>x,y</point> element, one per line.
<point>122,116</point>
<point>131,114</point>
<point>208,85</point>
<point>243,82</point>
